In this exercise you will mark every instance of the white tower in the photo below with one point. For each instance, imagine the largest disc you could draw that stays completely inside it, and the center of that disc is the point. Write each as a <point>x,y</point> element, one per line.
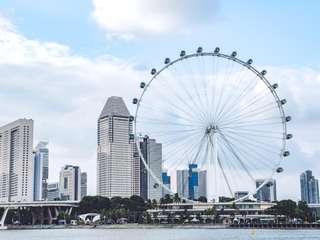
<point>16,166</point>
<point>117,164</point>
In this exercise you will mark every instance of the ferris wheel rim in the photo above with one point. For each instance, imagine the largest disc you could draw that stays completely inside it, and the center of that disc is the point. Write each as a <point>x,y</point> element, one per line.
<point>233,58</point>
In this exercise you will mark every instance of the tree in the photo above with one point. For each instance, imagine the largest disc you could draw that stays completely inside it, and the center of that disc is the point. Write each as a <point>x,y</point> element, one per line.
<point>202,199</point>
<point>176,198</point>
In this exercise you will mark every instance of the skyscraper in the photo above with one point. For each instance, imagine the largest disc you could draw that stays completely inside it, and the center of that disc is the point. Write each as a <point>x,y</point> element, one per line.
<point>40,171</point>
<point>70,184</point>
<point>53,191</point>
<point>166,181</point>
<point>268,193</point>
<point>16,171</point>
<point>152,154</point>
<point>183,183</point>
<point>118,167</point>
<point>84,186</point>
<point>192,183</point>
<point>309,187</point>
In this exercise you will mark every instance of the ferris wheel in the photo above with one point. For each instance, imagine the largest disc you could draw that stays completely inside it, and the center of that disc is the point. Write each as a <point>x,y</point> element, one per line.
<point>217,113</point>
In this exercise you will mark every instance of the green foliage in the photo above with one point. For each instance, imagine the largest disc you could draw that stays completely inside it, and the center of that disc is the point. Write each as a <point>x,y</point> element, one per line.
<point>202,199</point>
<point>291,210</point>
<point>225,199</point>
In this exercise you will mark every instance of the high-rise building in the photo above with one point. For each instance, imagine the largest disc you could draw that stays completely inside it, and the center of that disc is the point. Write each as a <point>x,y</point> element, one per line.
<point>166,181</point>
<point>183,183</point>
<point>118,165</point>
<point>84,186</point>
<point>16,167</point>
<point>192,183</point>
<point>309,187</point>
<point>202,183</point>
<point>268,193</point>
<point>152,154</point>
<point>53,192</point>
<point>40,171</point>
<point>70,183</point>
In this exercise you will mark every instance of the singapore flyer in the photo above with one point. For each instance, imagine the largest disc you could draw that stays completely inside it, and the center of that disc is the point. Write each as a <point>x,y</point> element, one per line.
<point>218,114</point>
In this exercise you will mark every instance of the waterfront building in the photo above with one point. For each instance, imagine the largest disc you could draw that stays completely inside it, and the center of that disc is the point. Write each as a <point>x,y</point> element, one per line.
<point>152,154</point>
<point>268,193</point>
<point>70,184</point>
<point>84,185</point>
<point>40,171</point>
<point>118,165</point>
<point>53,191</point>
<point>240,194</point>
<point>309,187</point>
<point>16,167</point>
<point>166,181</point>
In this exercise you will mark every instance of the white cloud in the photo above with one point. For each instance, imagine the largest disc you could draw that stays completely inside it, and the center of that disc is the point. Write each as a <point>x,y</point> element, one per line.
<point>63,92</point>
<point>131,18</point>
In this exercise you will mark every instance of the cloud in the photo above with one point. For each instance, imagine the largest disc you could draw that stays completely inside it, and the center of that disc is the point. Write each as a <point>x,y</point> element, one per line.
<point>132,18</point>
<point>63,92</point>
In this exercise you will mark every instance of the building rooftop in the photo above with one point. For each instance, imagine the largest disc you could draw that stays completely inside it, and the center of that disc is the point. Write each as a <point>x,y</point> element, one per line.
<point>115,106</point>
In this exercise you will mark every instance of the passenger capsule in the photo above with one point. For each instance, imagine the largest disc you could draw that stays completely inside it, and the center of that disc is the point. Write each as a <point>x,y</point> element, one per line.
<point>286,153</point>
<point>275,86</point>
<point>131,136</point>
<point>142,84</point>
<point>264,72</point>
<point>283,101</point>
<point>288,118</point>
<point>153,71</point>
<point>135,101</point>
<point>279,169</point>
<point>234,54</point>
<point>182,53</point>
<point>289,136</point>
<point>131,118</point>
<point>156,185</point>
<point>199,50</point>
<point>167,60</point>
<point>250,61</point>
<point>216,50</point>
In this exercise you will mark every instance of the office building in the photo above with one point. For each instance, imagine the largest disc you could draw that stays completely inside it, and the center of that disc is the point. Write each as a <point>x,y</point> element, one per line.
<point>192,183</point>
<point>166,181</point>
<point>84,184</point>
<point>268,193</point>
<point>152,154</point>
<point>53,192</point>
<point>70,184</point>
<point>16,156</point>
<point>40,171</point>
<point>309,187</point>
<point>118,165</point>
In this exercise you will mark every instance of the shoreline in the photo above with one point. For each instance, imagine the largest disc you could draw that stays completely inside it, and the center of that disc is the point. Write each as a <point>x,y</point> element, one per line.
<point>157,226</point>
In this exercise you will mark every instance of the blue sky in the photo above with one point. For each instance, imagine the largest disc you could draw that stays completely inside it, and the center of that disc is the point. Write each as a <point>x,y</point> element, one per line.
<point>59,61</point>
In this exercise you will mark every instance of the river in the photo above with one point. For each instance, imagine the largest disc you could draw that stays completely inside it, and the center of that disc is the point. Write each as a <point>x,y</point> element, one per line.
<point>159,234</point>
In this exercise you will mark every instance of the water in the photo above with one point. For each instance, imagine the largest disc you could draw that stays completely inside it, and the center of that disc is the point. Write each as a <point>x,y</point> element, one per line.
<point>159,234</point>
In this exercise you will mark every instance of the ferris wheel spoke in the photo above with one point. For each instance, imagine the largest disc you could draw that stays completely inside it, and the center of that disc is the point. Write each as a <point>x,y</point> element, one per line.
<point>236,155</point>
<point>191,107</point>
<point>252,113</point>
<point>258,97</point>
<point>194,85</point>
<point>251,85</point>
<point>195,105</point>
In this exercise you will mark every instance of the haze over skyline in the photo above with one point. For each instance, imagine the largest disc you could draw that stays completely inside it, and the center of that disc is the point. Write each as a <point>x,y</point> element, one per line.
<point>60,71</point>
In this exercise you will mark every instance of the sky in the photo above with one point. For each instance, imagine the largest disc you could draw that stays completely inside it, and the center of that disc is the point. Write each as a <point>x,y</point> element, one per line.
<point>60,61</point>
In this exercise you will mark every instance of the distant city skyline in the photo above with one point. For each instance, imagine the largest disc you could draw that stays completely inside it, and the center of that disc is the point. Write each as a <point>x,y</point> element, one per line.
<point>61,76</point>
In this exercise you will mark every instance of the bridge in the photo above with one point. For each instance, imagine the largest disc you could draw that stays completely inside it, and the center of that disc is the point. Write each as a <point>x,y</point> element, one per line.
<point>42,211</point>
